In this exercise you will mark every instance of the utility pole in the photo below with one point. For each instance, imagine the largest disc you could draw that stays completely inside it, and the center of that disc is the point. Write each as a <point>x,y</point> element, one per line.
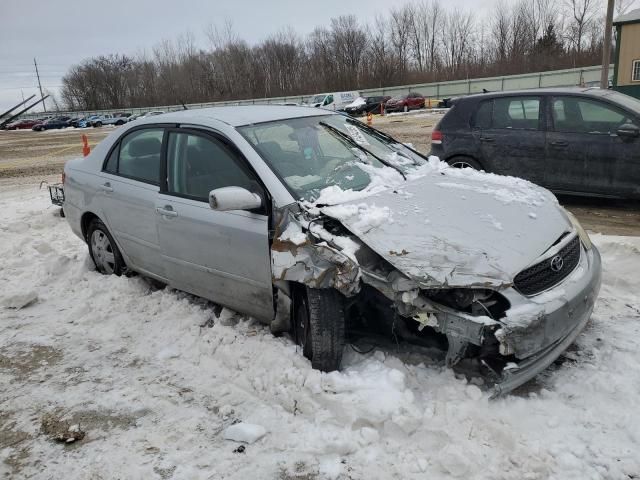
<point>606,48</point>
<point>39,84</point>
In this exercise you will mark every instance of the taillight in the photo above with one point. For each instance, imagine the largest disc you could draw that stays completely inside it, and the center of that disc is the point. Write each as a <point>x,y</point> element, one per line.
<point>436,137</point>
<point>64,177</point>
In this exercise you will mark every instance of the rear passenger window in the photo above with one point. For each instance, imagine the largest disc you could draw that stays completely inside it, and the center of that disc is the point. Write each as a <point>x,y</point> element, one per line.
<point>516,113</point>
<point>482,117</point>
<point>198,164</point>
<point>140,155</point>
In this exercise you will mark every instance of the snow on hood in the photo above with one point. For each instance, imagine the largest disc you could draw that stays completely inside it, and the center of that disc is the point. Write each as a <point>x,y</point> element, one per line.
<point>446,226</point>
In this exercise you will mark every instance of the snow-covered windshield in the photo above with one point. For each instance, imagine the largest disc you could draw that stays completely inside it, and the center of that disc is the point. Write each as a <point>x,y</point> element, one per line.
<point>312,153</point>
<point>317,99</point>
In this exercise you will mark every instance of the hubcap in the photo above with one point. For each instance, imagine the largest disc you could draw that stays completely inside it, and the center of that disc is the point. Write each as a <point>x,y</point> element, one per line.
<point>461,164</point>
<point>102,252</point>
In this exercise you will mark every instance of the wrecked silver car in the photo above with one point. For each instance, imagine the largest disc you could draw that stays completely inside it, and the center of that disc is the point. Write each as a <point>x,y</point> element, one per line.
<point>321,226</point>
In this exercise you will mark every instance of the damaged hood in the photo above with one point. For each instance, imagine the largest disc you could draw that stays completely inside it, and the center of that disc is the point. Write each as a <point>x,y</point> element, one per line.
<point>457,228</point>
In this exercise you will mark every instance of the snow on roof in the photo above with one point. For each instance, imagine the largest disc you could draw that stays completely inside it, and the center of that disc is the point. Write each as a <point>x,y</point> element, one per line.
<point>632,16</point>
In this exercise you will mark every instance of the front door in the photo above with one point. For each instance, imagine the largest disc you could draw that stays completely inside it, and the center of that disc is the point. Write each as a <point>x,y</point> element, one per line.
<point>222,256</point>
<point>584,152</point>
<point>129,187</point>
<point>514,141</point>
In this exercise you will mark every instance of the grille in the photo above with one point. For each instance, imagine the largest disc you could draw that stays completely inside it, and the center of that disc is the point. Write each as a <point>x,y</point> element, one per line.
<point>542,275</point>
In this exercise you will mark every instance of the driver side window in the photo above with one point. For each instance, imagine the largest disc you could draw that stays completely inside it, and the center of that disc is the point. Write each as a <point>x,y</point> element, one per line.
<point>197,164</point>
<point>580,115</point>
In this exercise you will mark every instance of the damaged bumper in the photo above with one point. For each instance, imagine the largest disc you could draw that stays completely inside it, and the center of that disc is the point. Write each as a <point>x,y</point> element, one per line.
<point>568,314</point>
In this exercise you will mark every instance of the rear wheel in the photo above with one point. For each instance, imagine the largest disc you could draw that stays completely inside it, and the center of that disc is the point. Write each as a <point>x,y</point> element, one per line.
<point>103,249</point>
<point>318,326</point>
<point>464,162</point>
<point>97,124</point>
<point>405,108</point>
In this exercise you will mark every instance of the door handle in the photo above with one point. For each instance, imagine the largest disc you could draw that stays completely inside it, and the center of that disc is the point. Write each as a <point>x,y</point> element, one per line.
<point>487,139</point>
<point>106,187</point>
<point>167,211</point>
<point>559,143</point>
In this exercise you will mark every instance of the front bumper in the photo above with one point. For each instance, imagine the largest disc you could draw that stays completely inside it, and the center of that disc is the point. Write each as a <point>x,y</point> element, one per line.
<point>562,319</point>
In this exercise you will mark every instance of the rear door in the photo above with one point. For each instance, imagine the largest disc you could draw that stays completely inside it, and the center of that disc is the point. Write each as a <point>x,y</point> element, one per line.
<point>129,187</point>
<point>222,256</point>
<point>513,142</point>
<point>584,152</point>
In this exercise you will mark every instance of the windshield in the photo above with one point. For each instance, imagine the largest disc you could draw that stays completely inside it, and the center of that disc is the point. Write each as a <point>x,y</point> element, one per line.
<point>317,99</point>
<point>624,100</point>
<point>313,153</point>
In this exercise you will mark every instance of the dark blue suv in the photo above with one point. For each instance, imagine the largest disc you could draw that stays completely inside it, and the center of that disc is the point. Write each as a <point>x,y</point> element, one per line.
<point>570,140</point>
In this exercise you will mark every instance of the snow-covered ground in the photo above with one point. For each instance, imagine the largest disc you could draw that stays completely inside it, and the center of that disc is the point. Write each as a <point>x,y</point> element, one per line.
<point>155,379</point>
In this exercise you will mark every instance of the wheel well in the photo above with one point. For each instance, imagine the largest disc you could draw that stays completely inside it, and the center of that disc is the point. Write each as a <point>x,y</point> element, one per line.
<point>466,156</point>
<point>86,219</point>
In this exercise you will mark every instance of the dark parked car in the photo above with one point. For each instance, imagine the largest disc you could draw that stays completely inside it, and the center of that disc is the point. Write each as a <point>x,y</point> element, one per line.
<point>365,105</point>
<point>20,124</point>
<point>571,140</point>
<point>404,103</point>
<point>52,123</point>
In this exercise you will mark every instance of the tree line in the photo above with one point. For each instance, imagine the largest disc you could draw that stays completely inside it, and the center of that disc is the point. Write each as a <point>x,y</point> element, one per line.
<point>415,43</point>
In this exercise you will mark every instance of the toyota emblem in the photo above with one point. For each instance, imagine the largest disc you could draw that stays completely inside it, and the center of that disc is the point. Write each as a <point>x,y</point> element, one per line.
<point>556,263</point>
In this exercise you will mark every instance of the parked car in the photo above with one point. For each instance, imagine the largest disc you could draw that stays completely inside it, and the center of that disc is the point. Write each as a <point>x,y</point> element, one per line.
<point>364,105</point>
<point>136,116</point>
<point>298,223</point>
<point>108,119</point>
<point>404,103</point>
<point>52,123</point>
<point>570,140</point>
<point>335,101</point>
<point>27,123</point>
<point>140,116</point>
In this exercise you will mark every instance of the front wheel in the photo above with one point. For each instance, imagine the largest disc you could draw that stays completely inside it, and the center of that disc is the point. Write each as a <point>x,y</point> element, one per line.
<point>319,326</point>
<point>405,108</point>
<point>103,249</point>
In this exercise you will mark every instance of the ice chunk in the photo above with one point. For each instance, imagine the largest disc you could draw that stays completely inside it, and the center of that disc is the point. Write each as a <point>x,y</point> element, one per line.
<point>244,432</point>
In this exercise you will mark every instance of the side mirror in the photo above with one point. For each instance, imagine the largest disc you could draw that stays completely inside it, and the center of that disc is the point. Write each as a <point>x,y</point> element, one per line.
<point>233,198</point>
<point>628,130</point>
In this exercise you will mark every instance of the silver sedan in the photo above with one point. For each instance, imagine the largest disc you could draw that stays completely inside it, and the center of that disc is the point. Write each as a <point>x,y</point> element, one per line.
<point>321,226</point>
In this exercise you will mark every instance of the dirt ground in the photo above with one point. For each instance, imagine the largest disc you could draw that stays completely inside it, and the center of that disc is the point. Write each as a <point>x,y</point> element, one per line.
<point>29,154</point>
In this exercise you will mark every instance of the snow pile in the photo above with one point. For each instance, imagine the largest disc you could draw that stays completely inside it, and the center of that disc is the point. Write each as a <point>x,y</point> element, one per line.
<point>157,378</point>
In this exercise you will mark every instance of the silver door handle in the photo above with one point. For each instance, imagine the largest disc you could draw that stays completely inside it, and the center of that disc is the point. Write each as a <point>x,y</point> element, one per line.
<point>106,187</point>
<point>166,212</point>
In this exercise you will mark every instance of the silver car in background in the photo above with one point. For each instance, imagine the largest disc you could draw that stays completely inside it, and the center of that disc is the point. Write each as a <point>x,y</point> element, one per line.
<point>318,225</point>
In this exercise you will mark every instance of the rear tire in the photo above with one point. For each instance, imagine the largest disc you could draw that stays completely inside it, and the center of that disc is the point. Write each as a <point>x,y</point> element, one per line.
<point>464,162</point>
<point>103,249</point>
<point>405,109</point>
<point>319,326</point>
<point>97,124</point>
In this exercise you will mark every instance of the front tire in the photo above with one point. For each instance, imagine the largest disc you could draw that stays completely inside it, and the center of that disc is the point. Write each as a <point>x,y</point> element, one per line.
<point>319,326</point>
<point>405,109</point>
<point>103,249</point>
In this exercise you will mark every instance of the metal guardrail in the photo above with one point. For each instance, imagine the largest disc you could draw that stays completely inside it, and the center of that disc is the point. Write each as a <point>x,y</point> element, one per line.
<point>554,78</point>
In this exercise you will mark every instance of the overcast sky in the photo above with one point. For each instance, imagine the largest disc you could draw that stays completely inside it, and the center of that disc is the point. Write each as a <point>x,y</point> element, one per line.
<point>61,33</point>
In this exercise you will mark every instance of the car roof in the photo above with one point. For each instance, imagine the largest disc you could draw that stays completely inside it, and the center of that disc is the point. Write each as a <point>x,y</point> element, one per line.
<point>589,91</point>
<point>238,116</point>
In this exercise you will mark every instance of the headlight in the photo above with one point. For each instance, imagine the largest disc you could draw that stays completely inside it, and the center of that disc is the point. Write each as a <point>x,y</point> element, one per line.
<point>584,237</point>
